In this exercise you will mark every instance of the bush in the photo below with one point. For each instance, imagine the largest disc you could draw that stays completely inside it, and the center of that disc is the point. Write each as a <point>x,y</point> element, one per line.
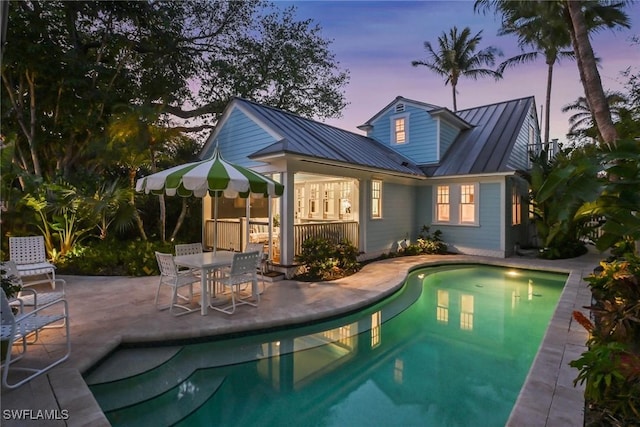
<point>567,250</point>
<point>114,258</point>
<point>611,365</point>
<point>427,243</point>
<point>325,260</point>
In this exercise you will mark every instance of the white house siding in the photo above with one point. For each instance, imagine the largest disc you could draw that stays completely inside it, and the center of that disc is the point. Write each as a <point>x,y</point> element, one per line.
<point>519,158</point>
<point>486,237</point>
<point>239,137</point>
<point>397,222</point>
<point>422,133</point>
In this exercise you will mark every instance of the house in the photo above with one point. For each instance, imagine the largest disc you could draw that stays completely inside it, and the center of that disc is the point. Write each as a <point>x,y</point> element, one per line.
<point>418,164</point>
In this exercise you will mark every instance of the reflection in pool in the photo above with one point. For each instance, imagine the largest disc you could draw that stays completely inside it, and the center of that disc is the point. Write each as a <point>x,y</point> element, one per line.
<point>452,348</point>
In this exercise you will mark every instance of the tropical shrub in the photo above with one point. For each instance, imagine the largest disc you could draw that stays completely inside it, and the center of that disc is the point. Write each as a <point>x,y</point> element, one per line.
<point>113,257</point>
<point>325,260</point>
<point>610,368</point>
<point>427,243</point>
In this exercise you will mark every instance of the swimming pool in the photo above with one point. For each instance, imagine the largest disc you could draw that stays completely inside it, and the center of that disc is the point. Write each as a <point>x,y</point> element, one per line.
<point>451,348</point>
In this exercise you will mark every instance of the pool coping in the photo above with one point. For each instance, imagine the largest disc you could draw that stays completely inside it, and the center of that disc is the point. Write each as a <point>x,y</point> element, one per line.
<point>548,397</point>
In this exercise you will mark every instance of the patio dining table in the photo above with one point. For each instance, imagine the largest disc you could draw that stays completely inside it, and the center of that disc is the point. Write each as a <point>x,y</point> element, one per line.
<point>208,263</point>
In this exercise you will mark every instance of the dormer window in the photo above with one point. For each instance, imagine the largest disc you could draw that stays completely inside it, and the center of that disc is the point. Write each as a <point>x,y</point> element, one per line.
<point>400,131</point>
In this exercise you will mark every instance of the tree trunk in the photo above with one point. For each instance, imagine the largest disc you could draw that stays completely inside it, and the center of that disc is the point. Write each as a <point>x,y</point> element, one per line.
<point>547,113</point>
<point>589,74</point>
<point>183,215</point>
<point>455,103</point>
<point>163,218</point>
<point>136,215</point>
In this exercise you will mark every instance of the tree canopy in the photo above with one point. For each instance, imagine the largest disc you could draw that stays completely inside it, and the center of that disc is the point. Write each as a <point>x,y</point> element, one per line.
<point>70,69</point>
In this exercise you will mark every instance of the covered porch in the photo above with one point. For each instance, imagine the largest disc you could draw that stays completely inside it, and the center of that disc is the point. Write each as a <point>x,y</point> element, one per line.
<point>323,207</point>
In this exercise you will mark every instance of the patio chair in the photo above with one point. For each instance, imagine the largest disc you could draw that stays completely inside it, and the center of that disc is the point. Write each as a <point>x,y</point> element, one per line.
<point>28,297</point>
<point>16,328</point>
<point>189,249</point>
<point>243,270</point>
<point>30,256</point>
<point>262,261</point>
<point>174,279</point>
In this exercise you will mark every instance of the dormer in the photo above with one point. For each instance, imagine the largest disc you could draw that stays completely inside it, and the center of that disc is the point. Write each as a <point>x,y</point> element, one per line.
<point>420,131</point>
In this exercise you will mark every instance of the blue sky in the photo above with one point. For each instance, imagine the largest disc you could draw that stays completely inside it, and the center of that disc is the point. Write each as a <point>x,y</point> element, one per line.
<point>377,40</point>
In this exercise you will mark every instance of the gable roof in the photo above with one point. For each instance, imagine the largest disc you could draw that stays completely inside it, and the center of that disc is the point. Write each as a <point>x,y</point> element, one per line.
<point>311,139</point>
<point>487,146</point>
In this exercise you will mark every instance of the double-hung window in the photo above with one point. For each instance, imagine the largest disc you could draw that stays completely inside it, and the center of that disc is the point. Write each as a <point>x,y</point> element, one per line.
<point>442,204</point>
<point>467,203</point>
<point>376,199</point>
<point>516,207</point>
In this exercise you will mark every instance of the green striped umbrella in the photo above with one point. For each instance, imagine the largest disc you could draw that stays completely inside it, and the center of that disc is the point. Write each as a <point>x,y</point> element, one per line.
<point>214,176</point>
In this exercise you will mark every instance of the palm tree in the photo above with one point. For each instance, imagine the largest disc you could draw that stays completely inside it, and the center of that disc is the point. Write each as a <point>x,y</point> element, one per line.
<point>456,56</point>
<point>581,122</point>
<point>581,18</point>
<point>537,25</point>
<point>585,18</point>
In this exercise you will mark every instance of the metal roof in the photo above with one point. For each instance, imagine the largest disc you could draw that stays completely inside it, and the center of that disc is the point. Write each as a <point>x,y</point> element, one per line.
<point>487,146</point>
<point>313,139</point>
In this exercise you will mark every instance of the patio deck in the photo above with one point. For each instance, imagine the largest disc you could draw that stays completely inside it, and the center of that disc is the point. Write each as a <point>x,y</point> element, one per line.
<point>108,311</point>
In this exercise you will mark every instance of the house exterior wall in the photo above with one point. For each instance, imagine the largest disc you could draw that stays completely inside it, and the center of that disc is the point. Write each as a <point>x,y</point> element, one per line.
<point>448,134</point>
<point>487,236</point>
<point>517,235</point>
<point>398,218</point>
<point>238,137</point>
<point>529,134</point>
<point>421,146</point>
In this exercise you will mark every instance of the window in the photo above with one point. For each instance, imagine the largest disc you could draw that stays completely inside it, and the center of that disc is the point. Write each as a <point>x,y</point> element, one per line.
<point>314,198</point>
<point>442,204</point>
<point>376,199</point>
<point>516,207</point>
<point>300,202</point>
<point>400,131</point>
<point>467,203</point>
<point>328,200</point>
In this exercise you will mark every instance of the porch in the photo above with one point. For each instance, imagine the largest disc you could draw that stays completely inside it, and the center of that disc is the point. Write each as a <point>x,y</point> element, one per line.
<point>229,234</point>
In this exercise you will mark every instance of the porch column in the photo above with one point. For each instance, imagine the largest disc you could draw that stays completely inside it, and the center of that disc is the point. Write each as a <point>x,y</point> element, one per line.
<point>286,219</point>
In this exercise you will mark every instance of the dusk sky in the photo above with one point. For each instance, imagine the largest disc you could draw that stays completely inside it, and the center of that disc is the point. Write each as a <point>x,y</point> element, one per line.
<point>377,40</point>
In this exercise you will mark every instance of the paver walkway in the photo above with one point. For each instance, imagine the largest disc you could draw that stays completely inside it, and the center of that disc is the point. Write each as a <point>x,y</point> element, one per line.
<point>108,311</point>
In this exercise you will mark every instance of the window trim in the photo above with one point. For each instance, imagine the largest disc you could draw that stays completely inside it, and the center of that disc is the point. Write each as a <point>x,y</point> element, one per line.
<point>455,205</point>
<point>392,130</point>
<point>516,207</point>
<point>438,204</point>
<point>376,201</point>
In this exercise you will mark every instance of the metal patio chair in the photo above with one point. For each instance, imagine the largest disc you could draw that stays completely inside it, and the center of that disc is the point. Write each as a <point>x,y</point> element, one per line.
<point>262,261</point>
<point>243,270</point>
<point>15,328</point>
<point>30,256</point>
<point>171,277</point>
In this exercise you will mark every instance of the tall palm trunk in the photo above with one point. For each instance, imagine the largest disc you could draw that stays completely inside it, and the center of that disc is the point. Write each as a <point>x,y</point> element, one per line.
<point>547,113</point>
<point>136,215</point>
<point>455,102</point>
<point>589,74</point>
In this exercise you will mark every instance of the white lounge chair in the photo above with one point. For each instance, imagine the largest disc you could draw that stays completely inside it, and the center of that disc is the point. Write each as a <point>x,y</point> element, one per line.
<point>174,279</point>
<point>243,270</point>
<point>30,256</point>
<point>16,328</point>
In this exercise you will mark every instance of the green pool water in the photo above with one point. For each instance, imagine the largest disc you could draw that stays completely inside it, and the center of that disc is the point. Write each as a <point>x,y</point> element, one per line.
<point>452,348</point>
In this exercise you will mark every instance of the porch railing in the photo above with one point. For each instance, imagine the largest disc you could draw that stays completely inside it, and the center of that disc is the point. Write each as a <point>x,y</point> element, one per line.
<point>230,236</point>
<point>332,231</point>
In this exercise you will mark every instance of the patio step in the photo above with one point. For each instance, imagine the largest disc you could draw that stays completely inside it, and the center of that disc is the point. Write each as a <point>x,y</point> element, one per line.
<point>162,410</point>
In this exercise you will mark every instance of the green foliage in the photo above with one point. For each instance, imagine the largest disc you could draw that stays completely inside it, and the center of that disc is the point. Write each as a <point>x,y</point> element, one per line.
<point>113,257</point>
<point>611,366</point>
<point>427,243</point>
<point>10,284</point>
<point>559,188</point>
<point>325,260</point>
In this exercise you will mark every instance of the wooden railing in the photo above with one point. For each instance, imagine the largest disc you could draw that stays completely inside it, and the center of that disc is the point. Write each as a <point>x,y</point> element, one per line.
<point>231,237</point>
<point>332,231</point>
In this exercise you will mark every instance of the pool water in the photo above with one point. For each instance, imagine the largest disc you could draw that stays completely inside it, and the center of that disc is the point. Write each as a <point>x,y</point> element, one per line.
<point>452,348</point>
